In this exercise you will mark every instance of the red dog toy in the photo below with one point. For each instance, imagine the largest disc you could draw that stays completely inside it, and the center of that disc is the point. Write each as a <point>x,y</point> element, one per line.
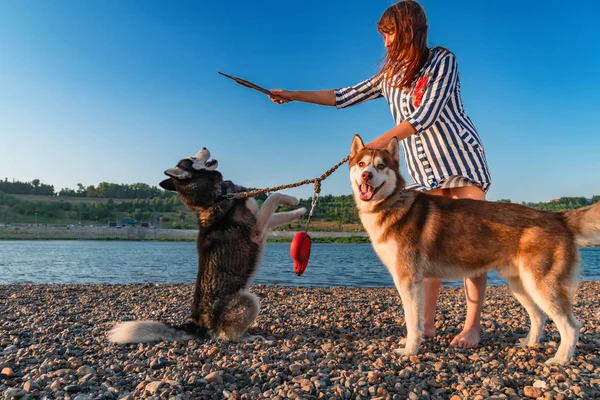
<point>300,252</point>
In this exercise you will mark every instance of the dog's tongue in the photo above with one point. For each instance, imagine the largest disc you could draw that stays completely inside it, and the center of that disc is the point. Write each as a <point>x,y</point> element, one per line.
<point>366,192</point>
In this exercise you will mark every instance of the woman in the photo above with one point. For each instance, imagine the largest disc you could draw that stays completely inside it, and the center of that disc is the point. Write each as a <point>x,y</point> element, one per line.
<point>444,155</point>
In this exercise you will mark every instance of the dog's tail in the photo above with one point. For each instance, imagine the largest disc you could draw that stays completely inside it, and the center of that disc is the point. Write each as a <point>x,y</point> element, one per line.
<point>150,331</point>
<point>584,222</point>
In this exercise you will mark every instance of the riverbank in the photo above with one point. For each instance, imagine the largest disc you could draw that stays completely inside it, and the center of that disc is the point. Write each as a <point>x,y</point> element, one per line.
<point>322,343</point>
<point>147,234</point>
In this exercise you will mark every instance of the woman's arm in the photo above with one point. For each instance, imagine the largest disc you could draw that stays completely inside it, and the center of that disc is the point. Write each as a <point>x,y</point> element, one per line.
<point>344,97</point>
<point>322,97</point>
<point>400,131</point>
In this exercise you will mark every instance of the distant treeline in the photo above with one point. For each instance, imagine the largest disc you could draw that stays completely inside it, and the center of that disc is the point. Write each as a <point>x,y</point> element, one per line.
<point>34,187</point>
<point>104,190</point>
<point>149,203</point>
<point>12,209</point>
<point>562,204</point>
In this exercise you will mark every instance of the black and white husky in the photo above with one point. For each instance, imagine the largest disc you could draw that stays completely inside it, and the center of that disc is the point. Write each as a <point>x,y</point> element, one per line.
<point>231,239</point>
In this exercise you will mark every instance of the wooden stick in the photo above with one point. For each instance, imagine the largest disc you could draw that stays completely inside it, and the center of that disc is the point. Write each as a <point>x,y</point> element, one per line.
<point>251,85</point>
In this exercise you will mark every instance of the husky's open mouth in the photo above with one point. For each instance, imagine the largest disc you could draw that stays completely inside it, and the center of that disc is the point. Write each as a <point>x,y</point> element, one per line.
<point>367,191</point>
<point>210,163</point>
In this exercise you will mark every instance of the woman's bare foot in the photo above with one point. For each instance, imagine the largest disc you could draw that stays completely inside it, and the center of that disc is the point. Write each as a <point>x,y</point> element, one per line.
<point>467,339</point>
<point>429,331</point>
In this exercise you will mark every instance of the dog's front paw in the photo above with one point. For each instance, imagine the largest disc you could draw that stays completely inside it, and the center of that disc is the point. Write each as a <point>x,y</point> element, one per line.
<point>528,343</point>
<point>288,200</point>
<point>300,211</point>
<point>252,338</point>
<point>555,361</point>
<point>532,339</point>
<point>405,352</point>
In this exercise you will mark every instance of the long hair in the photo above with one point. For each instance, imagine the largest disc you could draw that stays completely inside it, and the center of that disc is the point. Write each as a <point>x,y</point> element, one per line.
<point>408,52</point>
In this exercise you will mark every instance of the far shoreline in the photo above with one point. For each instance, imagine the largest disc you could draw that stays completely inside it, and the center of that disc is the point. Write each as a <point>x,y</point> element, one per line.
<point>17,232</point>
<point>158,235</point>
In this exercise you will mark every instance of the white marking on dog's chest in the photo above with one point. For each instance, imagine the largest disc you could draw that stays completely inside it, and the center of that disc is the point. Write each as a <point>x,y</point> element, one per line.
<point>386,251</point>
<point>388,254</point>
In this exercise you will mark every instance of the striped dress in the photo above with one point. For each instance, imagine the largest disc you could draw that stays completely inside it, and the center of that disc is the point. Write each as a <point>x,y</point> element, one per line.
<point>446,151</point>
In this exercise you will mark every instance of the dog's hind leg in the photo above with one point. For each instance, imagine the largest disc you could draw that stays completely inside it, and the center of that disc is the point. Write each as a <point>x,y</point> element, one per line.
<point>238,316</point>
<point>536,316</point>
<point>553,296</point>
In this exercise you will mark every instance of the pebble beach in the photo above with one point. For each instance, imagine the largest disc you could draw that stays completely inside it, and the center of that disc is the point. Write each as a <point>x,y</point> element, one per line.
<point>322,343</point>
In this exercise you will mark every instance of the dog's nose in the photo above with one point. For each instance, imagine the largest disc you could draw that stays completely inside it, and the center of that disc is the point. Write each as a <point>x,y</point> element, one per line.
<point>367,176</point>
<point>204,148</point>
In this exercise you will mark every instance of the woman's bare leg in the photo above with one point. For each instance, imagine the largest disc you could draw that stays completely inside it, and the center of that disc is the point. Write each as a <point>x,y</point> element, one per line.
<point>474,287</point>
<point>431,290</point>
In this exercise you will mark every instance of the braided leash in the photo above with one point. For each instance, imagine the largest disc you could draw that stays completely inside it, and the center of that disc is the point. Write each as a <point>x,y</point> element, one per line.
<point>315,181</point>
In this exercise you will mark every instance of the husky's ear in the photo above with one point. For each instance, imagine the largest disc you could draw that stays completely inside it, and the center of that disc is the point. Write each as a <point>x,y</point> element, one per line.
<point>392,148</point>
<point>168,184</point>
<point>357,145</point>
<point>178,173</point>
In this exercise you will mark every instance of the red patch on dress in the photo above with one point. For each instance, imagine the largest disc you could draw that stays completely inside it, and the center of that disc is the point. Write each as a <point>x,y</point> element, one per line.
<point>419,91</point>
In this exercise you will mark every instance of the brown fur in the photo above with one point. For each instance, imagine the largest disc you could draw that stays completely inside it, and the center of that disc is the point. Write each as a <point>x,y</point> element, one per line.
<point>419,236</point>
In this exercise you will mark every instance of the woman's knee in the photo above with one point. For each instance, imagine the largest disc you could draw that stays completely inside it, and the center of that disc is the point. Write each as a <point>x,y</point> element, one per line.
<point>467,192</point>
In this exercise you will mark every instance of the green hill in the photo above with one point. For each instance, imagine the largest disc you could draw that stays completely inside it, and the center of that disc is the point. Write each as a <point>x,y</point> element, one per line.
<point>37,203</point>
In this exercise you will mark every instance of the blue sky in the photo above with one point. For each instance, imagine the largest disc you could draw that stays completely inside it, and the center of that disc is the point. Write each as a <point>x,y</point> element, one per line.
<point>120,90</point>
